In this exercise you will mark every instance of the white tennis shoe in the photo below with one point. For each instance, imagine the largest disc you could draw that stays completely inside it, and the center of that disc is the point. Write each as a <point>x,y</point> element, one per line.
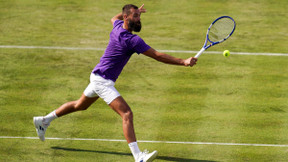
<point>145,156</point>
<point>40,126</point>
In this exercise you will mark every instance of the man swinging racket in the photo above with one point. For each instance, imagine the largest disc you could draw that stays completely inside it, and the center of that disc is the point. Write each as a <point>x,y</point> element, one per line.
<point>122,45</point>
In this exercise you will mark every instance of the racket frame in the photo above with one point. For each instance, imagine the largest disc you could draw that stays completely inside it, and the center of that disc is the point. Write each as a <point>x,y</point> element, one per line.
<point>205,46</point>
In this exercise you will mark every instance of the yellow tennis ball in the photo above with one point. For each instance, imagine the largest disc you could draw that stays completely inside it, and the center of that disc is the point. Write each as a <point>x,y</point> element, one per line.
<point>226,53</point>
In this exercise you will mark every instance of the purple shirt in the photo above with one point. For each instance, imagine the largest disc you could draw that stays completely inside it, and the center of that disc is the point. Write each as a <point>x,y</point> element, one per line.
<point>122,45</point>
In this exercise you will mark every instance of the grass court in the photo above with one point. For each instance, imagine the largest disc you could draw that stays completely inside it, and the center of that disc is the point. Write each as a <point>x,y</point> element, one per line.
<point>240,99</point>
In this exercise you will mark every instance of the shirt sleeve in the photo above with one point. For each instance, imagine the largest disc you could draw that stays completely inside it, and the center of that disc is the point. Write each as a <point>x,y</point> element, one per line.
<point>139,45</point>
<point>117,22</point>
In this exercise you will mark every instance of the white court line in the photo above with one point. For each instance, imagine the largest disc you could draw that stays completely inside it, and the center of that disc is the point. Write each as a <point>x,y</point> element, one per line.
<point>46,47</point>
<point>168,51</point>
<point>144,141</point>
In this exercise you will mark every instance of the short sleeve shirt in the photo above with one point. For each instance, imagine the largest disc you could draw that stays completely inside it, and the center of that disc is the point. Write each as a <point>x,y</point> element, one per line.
<point>121,46</point>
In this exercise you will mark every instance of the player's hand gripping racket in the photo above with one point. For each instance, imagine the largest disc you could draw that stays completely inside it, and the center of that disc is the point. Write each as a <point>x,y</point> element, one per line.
<point>219,31</point>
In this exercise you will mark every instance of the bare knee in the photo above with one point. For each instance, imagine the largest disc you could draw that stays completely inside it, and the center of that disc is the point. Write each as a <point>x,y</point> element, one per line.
<point>80,107</point>
<point>127,116</point>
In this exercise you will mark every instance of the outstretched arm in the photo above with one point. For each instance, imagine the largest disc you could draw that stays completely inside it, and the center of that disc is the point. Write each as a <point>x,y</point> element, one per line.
<point>168,59</point>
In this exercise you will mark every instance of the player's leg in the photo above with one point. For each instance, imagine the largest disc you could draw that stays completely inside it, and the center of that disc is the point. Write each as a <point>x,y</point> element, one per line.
<point>82,104</point>
<point>88,97</point>
<point>42,122</point>
<point>120,106</point>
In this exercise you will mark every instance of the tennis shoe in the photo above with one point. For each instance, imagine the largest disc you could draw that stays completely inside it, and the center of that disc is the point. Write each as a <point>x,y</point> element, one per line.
<point>145,156</point>
<point>40,126</point>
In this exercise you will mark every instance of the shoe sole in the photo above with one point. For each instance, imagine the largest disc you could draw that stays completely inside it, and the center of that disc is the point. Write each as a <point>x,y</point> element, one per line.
<point>153,156</point>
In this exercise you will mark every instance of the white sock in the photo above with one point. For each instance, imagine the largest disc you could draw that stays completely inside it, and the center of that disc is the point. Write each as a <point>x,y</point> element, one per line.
<point>134,149</point>
<point>48,118</point>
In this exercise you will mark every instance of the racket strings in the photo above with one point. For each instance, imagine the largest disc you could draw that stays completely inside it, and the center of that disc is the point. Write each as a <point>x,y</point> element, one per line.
<point>221,29</point>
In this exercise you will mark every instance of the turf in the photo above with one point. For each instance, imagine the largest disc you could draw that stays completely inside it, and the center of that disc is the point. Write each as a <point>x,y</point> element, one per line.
<point>240,99</point>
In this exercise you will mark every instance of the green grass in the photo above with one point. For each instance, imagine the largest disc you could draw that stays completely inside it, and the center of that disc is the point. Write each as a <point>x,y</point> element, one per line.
<point>240,99</point>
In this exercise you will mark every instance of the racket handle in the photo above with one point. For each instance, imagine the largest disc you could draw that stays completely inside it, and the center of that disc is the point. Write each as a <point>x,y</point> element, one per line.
<point>199,53</point>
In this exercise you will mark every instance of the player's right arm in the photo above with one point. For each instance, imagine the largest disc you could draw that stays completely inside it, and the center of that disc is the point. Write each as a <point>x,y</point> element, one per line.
<point>168,59</point>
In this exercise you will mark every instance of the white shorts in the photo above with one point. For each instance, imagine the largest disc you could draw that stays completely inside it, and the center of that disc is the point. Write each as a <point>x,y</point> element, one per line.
<point>101,87</point>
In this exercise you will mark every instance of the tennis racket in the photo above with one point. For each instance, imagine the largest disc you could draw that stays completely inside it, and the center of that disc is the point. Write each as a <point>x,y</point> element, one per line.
<point>219,31</point>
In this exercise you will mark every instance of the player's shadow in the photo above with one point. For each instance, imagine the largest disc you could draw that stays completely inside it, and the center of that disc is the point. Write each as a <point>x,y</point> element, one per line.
<point>167,158</point>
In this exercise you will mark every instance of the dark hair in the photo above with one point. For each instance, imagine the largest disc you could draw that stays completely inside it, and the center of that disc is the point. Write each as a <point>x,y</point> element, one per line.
<point>126,9</point>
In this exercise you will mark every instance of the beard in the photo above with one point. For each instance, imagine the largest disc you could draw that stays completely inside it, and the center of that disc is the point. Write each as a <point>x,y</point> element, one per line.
<point>134,26</point>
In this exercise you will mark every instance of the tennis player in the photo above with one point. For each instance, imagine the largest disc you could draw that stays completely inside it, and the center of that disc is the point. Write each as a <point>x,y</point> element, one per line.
<point>122,44</point>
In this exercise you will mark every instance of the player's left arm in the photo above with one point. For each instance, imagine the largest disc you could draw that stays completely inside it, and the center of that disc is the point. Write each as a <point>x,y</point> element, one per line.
<point>168,59</point>
<point>142,9</point>
<point>117,17</point>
